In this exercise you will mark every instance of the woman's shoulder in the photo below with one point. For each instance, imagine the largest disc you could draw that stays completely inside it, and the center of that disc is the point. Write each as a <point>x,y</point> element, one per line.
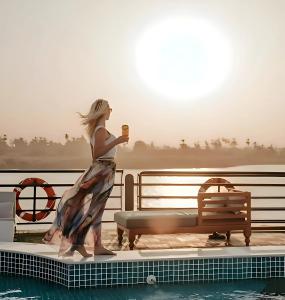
<point>98,127</point>
<point>94,132</point>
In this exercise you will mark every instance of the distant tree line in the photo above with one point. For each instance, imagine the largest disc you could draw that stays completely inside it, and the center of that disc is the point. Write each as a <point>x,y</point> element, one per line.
<point>40,146</point>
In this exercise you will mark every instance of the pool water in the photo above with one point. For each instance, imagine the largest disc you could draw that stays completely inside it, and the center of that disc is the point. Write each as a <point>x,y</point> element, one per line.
<point>12,287</point>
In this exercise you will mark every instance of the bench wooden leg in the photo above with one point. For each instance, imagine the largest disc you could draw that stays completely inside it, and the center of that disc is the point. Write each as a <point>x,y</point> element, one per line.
<point>120,235</point>
<point>228,234</point>
<point>247,234</point>
<point>132,238</point>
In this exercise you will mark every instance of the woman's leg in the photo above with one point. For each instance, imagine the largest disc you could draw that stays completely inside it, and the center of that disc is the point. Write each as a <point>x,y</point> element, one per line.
<point>97,227</point>
<point>78,238</point>
<point>99,249</point>
<point>71,209</point>
<point>94,214</point>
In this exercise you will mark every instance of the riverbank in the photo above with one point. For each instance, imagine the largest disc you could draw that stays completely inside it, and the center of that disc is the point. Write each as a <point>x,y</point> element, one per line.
<point>151,160</point>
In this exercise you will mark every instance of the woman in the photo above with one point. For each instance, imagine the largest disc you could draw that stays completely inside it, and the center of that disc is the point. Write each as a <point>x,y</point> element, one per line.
<point>82,206</point>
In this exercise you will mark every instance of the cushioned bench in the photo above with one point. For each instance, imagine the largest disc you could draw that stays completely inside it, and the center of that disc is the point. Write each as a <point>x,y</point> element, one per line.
<point>154,222</point>
<point>217,212</point>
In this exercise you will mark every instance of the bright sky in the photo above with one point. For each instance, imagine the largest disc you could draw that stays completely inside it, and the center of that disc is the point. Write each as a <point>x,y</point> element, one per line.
<point>56,57</point>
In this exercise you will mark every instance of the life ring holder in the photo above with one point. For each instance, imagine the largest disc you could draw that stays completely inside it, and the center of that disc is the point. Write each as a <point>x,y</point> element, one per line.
<point>40,214</point>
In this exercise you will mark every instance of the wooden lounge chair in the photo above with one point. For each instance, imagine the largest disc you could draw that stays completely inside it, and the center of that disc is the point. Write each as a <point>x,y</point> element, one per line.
<point>217,212</point>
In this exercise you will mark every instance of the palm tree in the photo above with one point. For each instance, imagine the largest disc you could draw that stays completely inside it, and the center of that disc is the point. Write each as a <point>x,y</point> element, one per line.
<point>233,143</point>
<point>197,145</point>
<point>183,145</point>
<point>216,143</point>
<point>226,141</point>
<point>207,145</point>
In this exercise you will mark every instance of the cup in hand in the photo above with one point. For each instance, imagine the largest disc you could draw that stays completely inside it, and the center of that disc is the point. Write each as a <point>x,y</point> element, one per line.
<point>125,130</point>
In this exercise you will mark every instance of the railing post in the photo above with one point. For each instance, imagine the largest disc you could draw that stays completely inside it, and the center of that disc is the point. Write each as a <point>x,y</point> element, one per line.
<point>34,201</point>
<point>129,192</point>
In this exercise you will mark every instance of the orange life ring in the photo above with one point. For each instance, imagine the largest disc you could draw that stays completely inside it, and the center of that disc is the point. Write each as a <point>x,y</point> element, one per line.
<point>50,203</point>
<point>204,187</point>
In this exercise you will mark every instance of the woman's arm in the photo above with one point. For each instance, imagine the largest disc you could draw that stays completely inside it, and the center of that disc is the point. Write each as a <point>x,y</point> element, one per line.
<point>100,148</point>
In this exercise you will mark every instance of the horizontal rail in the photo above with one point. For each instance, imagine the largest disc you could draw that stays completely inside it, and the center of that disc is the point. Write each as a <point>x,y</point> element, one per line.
<point>48,223</point>
<point>55,198</point>
<point>47,185</point>
<point>196,208</point>
<point>47,209</point>
<point>268,208</point>
<point>48,170</point>
<point>195,197</point>
<point>210,184</point>
<point>266,221</point>
<point>212,173</point>
<point>170,208</point>
<point>267,228</point>
<point>168,197</point>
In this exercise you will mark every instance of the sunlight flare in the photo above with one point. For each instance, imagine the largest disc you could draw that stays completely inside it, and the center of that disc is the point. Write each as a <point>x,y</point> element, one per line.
<point>183,58</point>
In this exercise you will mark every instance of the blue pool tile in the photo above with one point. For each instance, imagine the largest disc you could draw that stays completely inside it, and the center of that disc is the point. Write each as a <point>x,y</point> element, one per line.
<point>129,273</point>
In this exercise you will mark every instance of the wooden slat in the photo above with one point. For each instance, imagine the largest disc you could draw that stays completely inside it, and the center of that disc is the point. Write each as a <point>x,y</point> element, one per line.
<point>224,208</point>
<point>222,194</point>
<point>225,216</point>
<point>224,201</point>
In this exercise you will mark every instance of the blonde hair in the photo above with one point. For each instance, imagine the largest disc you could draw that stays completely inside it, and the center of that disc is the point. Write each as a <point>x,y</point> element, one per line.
<point>97,110</point>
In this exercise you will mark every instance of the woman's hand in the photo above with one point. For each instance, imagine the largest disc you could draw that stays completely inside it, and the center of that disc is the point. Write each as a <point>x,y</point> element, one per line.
<point>122,139</point>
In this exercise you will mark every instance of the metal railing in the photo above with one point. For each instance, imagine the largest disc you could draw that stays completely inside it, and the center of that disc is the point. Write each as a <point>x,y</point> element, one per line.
<point>134,191</point>
<point>34,210</point>
<point>224,174</point>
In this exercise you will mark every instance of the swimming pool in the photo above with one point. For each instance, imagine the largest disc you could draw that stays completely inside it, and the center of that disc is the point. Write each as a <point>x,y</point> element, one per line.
<point>134,268</point>
<point>12,288</point>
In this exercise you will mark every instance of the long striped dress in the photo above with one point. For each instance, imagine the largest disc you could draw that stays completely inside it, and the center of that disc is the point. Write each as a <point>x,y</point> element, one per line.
<point>79,213</point>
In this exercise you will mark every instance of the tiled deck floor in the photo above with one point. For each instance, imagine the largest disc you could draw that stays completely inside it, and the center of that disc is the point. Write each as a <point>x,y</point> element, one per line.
<point>168,241</point>
<point>174,241</point>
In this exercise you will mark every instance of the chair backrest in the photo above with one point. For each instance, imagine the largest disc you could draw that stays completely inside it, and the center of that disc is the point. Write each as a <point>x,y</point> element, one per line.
<point>224,207</point>
<point>7,204</point>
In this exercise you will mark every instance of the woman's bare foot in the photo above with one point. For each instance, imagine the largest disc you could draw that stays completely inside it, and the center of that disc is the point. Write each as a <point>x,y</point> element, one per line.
<point>68,253</point>
<point>47,238</point>
<point>103,251</point>
<point>79,248</point>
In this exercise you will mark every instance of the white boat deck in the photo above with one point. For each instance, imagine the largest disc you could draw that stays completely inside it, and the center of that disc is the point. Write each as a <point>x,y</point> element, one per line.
<point>48,251</point>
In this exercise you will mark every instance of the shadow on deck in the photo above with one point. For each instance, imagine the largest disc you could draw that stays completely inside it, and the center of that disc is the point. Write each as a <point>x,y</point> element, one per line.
<point>172,241</point>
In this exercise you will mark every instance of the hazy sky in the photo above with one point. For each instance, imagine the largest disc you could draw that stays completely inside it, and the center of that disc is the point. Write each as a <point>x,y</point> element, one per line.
<point>57,56</point>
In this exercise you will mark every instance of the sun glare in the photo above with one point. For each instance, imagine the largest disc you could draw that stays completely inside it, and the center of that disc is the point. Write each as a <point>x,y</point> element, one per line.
<point>183,58</point>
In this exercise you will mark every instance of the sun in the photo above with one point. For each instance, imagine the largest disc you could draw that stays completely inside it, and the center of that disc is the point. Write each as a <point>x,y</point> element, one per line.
<point>183,58</point>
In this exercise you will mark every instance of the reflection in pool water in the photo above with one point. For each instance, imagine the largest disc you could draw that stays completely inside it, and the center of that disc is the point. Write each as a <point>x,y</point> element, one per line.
<point>12,287</point>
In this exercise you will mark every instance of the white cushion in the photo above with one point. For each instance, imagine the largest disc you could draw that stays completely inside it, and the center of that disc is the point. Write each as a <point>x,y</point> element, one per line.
<point>235,204</point>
